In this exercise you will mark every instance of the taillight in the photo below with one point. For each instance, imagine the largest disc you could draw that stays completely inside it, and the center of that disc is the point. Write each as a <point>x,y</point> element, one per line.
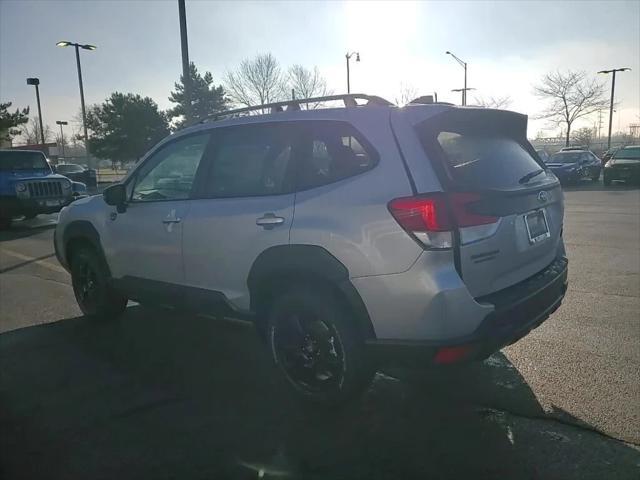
<point>432,218</point>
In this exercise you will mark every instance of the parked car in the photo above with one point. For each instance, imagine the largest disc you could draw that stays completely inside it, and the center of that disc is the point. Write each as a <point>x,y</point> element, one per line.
<point>429,233</point>
<point>78,173</point>
<point>29,187</point>
<point>606,156</point>
<point>571,166</point>
<point>574,149</point>
<point>624,166</point>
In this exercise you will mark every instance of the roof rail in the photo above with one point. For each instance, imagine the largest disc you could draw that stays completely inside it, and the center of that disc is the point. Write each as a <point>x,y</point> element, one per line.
<point>349,100</point>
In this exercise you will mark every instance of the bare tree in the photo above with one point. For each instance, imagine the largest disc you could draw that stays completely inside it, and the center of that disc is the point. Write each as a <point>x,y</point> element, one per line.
<point>31,132</point>
<point>257,81</point>
<point>307,83</point>
<point>583,136</point>
<point>407,93</point>
<point>571,95</point>
<point>492,102</point>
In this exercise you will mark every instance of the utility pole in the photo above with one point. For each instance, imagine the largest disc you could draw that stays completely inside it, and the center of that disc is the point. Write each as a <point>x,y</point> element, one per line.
<point>61,123</point>
<point>613,90</point>
<point>186,77</point>
<point>599,123</point>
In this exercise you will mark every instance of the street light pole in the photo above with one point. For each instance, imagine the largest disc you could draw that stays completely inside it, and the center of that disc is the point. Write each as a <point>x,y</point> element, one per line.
<point>613,90</point>
<point>347,58</point>
<point>61,123</point>
<point>36,82</point>
<point>78,46</point>
<point>464,93</point>
<point>186,77</point>
<point>464,65</point>
<point>84,112</point>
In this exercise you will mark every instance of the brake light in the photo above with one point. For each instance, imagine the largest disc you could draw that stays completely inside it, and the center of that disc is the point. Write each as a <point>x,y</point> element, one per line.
<point>432,218</point>
<point>447,355</point>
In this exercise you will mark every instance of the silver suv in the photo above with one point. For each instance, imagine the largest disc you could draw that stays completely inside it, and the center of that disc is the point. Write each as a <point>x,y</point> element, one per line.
<point>350,236</point>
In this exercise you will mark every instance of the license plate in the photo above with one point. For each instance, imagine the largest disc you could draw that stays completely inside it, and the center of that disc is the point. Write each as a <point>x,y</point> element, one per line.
<point>52,203</point>
<point>537,226</point>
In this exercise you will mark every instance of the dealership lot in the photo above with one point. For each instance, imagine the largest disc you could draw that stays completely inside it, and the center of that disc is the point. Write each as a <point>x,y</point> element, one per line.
<point>157,394</point>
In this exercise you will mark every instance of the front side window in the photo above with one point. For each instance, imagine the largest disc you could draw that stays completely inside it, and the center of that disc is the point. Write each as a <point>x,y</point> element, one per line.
<point>331,151</point>
<point>251,160</point>
<point>170,173</point>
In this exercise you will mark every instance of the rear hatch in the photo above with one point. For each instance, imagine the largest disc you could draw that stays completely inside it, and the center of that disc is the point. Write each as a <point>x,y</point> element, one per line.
<point>507,207</point>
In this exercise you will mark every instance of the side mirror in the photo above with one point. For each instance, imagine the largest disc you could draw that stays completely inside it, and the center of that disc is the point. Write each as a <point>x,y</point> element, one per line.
<point>116,195</point>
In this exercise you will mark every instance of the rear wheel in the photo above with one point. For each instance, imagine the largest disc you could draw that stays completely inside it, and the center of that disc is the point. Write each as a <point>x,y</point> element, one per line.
<point>90,281</point>
<point>316,346</point>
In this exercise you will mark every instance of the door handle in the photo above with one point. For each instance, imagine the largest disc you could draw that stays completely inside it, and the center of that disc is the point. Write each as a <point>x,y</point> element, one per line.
<point>269,221</point>
<point>166,221</point>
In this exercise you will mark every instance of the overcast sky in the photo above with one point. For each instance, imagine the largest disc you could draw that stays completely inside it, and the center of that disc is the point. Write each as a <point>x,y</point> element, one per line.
<point>508,46</point>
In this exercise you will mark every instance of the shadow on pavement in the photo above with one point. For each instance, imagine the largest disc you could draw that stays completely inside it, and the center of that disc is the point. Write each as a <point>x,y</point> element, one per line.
<point>26,228</point>
<point>156,394</point>
<point>600,187</point>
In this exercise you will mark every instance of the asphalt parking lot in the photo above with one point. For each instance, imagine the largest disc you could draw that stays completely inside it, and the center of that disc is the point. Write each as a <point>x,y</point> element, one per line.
<point>157,394</point>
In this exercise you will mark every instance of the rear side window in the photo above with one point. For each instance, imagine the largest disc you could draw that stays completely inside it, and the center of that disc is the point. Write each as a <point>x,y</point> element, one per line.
<point>484,159</point>
<point>250,160</point>
<point>331,151</point>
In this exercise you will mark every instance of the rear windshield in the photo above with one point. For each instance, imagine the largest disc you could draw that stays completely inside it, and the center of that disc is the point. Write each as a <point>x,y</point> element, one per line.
<point>485,160</point>
<point>565,157</point>
<point>17,160</point>
<point>631,153</point>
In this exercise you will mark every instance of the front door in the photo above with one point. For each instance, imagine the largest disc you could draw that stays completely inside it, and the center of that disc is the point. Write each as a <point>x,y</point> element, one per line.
<point>145,244</point>
<point>246,206</point>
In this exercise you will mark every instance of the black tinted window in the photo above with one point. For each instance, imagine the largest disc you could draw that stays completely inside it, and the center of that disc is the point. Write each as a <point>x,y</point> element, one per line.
<point>69,168</point>
<point>331,151</point>
<point>485,160</point>
<point>22,160</point>
<point>249,161</point>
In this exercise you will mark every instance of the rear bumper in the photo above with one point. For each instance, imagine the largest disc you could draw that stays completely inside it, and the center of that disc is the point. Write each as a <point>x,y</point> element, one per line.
<point>13,206</point>
<point>517,310</point>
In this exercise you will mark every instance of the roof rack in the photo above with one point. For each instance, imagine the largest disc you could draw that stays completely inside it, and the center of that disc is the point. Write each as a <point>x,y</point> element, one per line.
<point>293,105</point>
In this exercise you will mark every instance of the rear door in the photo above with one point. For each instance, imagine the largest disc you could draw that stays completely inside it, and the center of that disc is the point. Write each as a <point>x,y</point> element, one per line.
<point>244,207</point>
<point>483,155</point>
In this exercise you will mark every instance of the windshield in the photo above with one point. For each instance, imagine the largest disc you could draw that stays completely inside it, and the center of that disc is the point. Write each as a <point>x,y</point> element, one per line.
<point>22,160</point>
<point>487,160</point>
<point>565,157</point>
<point>629,153</point>
<point>69,168</point>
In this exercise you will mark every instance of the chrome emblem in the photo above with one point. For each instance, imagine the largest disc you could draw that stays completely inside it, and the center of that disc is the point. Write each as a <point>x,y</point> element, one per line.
<point>543,197</point>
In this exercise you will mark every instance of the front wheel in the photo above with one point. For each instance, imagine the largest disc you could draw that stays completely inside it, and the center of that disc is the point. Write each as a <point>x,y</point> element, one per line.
<point>317,346</point>
<point>91,288</point>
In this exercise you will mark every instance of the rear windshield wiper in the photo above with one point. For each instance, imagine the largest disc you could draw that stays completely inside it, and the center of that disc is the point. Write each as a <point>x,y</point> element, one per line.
<point>529,176</point>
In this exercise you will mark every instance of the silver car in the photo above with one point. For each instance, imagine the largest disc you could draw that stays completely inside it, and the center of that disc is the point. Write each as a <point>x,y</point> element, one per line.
<point>351,236</point>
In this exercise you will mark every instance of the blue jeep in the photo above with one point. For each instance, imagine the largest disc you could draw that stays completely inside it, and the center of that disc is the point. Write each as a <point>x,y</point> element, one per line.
<point>28,186</point>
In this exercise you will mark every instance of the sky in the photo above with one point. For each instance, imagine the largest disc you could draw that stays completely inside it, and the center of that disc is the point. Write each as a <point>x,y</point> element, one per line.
<point>508,46</point>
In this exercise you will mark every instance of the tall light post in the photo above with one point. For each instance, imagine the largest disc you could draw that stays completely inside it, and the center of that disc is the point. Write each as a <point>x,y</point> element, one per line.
<point>464,93</point>
<point>348,57</point>
<point>78,46</point>
<point>186,76</point>
<point>35,82</point>
<point>464,65</point>
<point>61,123</point>
<point>613,90</point>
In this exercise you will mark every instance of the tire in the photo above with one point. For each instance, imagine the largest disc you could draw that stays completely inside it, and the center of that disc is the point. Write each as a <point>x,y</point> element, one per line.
<point>606,181</point>
<point>317,347</point>
<point>90,281</point>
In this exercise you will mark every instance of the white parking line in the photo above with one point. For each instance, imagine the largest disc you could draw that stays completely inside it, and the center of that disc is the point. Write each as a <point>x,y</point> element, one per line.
<point>26,258</point>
